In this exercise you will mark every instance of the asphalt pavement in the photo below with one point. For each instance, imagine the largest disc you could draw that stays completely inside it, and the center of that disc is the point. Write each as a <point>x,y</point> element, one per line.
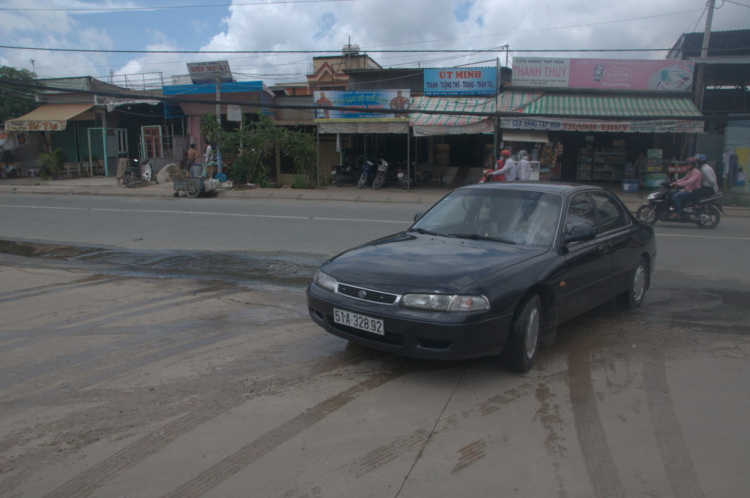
<point>422,194</point>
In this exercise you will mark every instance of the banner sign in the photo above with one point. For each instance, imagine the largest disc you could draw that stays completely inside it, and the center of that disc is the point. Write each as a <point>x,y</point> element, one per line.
<point>359,101</point>
<point>606,74</point>
<point>461,81</point>
<point>661,126</point>
<point>47,125</point>
<point>206,72</point>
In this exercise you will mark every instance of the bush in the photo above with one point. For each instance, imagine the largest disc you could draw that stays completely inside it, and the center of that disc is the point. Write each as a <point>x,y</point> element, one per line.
<point>300,182</point>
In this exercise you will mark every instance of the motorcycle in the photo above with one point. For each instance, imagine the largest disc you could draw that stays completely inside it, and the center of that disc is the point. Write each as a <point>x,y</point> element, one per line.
<point>384,173</point>
<point>369,171</point>
<point>408,178</point>
<point>706,213</point>
<point>346,173</point>
<point>138,172</point>
<point>486,178</point>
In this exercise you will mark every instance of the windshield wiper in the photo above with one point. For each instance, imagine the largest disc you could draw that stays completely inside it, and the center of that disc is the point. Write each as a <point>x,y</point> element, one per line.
<point>476,236</point>
<point>427,232</point>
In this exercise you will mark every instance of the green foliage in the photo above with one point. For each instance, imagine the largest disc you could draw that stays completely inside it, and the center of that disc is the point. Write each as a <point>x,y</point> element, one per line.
<point>251,148</point>
<point>300,182</point>
<point>16,100</point>
<point>52,162</point>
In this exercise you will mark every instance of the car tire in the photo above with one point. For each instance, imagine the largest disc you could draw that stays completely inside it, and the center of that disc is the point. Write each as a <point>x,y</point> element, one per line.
<point>633,297</point>
<point>521,350</point>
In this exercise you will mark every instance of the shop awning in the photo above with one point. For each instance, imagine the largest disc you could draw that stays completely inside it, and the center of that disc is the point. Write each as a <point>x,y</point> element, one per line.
<point>48,117</point>
<point>449,124</point>
<point>621,106</point>
<point>580,107</point>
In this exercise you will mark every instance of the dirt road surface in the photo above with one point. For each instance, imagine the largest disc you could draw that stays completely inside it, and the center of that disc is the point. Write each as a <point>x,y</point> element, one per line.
<point>116,384</point>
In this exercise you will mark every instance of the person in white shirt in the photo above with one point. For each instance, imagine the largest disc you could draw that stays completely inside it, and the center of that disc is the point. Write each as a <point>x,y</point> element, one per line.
<point>709,185</point>
<point>509,168</point>
<point>524,168</point>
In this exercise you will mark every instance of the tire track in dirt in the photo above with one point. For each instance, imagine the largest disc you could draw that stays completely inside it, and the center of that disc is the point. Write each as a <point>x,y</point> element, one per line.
<point>211,477</point>
<point>470,454</point>
<point>592,438</point>
<point>674,451</point>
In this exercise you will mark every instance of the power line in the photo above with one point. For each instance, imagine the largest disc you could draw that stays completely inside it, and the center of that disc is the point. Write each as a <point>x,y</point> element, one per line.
<point>172,7</point>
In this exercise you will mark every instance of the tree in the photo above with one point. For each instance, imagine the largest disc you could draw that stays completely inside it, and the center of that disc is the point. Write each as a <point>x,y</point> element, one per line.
<point>15,100</point>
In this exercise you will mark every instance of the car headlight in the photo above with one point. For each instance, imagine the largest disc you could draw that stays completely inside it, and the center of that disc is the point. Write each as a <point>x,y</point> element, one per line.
<point>325,281</point>
<point>443,302</point>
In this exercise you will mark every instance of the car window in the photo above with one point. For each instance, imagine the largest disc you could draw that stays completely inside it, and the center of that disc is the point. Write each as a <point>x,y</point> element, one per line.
<point>581,212</point>
<point>610,211</point>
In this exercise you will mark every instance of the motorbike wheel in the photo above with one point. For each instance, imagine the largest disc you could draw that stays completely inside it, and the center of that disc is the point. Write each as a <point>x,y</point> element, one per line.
<point>378,181</point>
<point>339,181</point>
<point>404,183</point>
<point>709,218</point>
<point>362,181</point>
<point>129,180</point>
<point>647,214</point>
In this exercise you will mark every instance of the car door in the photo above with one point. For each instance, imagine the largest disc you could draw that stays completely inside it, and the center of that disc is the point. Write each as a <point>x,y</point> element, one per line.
<point>618,229</point>
<point>588,263</point>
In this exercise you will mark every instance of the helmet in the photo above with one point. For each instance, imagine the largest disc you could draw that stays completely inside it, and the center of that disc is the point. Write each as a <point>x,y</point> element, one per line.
<point>701,157</point>
<point>505,153</point>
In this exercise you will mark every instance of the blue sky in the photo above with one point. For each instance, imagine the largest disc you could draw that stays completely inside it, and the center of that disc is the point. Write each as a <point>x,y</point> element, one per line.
<point>327,25</point>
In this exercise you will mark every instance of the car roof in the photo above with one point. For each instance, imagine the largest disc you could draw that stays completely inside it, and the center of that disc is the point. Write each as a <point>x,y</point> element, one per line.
<point>562,188</point>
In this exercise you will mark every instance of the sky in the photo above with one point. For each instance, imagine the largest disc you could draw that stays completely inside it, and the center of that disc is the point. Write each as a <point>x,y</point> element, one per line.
<point>112,37</point>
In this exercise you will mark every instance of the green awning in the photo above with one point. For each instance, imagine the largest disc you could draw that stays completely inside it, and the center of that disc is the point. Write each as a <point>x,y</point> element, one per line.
<point>625,106</point>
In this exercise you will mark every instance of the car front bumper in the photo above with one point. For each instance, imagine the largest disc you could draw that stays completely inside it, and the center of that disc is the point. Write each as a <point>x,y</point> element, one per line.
<point>419,334</point>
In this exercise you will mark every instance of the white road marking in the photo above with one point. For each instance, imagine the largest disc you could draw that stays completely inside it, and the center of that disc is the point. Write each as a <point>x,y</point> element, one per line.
<point>700,236</point>
<point>138,211</point>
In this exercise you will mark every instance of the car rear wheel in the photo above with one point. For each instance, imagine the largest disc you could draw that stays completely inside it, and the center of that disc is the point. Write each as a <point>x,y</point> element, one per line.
<point>521,350</point>
<point>633,297</point>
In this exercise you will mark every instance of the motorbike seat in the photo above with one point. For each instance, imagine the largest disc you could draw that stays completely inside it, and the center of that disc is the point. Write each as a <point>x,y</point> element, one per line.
<point>717,195</point>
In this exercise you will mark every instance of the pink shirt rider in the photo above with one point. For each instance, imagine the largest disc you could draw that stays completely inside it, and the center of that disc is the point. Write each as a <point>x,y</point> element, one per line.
<point>691,181</point>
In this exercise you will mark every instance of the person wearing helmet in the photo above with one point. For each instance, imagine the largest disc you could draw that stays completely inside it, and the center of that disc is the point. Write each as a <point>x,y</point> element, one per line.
<point>524,168</point>
<point>689,183</point>
<point>508,169</point>
<point>709,185</point>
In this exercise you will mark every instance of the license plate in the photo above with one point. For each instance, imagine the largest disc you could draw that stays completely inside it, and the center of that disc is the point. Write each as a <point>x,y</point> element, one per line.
<point>400,175</point>
<point>357,321</point>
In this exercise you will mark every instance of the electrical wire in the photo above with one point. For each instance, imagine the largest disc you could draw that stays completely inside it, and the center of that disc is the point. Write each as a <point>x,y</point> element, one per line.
<point>170,7</point>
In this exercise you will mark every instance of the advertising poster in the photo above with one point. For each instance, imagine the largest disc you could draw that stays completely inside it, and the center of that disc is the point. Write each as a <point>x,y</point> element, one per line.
<point>605,74</point>
<point>460,81</point>
<point>359,102</point>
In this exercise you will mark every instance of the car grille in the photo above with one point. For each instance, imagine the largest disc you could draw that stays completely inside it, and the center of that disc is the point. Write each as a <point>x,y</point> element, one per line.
<point>367,294</point>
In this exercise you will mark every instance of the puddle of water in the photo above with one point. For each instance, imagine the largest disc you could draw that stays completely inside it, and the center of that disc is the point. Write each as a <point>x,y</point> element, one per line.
<point>290,271</point>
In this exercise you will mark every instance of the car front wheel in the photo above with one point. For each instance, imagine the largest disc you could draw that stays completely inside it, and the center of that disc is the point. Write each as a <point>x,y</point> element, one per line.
<point>520,352</point>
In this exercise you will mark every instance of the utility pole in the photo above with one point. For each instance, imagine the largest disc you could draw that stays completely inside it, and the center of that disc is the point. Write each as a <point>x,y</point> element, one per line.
<point>699,81</point>
<point>218,119</point>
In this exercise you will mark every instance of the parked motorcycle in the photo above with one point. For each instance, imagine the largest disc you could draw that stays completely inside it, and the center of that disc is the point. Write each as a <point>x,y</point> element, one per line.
<point>407,177</point>
<point>706,213</point>
<point>138,172</point>
<point>346,173</point>
<point>385,174</point>
<point>369,172</point>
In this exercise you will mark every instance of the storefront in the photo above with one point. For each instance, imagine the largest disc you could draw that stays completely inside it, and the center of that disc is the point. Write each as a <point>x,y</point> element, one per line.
<point>607,114</point>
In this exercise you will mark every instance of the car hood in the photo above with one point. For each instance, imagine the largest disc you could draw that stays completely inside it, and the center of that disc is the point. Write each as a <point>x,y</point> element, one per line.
<point>423,263</point>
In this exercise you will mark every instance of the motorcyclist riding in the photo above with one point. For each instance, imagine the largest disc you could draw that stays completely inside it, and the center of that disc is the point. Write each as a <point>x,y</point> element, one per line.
<point>709,185</point>
<point>690,182</point>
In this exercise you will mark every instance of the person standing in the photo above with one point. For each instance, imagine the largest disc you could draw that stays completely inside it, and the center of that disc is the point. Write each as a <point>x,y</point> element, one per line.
<point>208,156</point>
<point>524,168</point>
<point>192,157</point>
<point>690,182</point>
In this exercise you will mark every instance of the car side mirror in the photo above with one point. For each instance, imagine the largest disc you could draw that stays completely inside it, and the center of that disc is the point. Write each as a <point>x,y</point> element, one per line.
<point>417,216</point>
<point>578,233</point>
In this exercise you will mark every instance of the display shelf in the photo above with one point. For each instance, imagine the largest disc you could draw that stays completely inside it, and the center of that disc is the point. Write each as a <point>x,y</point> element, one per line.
<point>584,165</point>
<point>609,165</point>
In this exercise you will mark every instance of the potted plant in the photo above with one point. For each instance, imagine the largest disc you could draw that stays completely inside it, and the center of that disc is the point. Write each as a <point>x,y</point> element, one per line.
<point>51,163</point>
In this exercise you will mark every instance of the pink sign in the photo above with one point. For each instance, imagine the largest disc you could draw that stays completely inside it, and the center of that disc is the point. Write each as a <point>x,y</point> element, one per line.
<point>605,74</point>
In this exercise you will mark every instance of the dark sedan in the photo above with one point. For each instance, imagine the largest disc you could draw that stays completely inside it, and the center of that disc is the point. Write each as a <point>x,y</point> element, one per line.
<point>490,269</point>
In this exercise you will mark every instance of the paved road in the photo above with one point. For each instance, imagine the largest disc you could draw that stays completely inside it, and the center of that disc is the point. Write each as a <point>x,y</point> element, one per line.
<point>146,372</point>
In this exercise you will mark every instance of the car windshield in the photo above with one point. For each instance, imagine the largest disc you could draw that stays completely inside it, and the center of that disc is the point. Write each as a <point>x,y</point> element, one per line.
<point>496,215</point>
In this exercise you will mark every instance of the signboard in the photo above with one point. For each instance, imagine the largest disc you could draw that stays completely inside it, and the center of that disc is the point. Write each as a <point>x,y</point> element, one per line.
<point>234,113</point>
<point>461,81</point>
<point>206,72</point>
<point>359,101</point>
<point>661,126</point>
<point>42,125</point>
<point>603,74</point>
